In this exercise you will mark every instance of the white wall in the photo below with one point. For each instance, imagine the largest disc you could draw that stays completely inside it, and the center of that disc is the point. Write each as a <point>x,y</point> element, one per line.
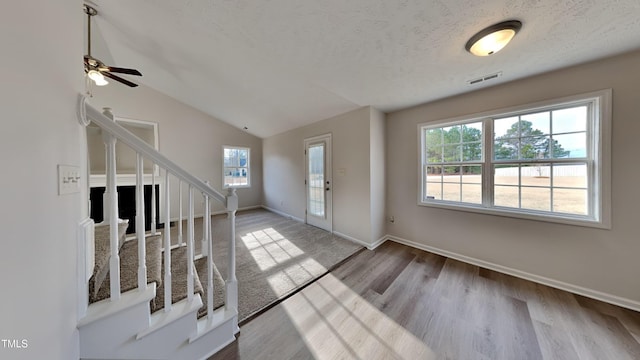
<point>188,137</point>
<point>600,260</point>
<point>352,191</point>
<point>41,72</point>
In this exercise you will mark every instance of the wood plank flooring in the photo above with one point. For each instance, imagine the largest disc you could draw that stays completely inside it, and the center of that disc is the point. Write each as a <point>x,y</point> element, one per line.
<point>402,303</point>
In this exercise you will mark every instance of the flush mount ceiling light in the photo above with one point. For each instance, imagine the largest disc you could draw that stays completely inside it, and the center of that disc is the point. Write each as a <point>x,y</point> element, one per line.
<point>492,39</point>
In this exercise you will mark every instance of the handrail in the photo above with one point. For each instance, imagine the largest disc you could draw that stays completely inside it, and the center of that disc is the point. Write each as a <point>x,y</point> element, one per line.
<point>143,148</point>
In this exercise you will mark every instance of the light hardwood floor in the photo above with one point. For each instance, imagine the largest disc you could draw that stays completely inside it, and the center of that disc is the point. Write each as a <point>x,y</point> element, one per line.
<point>402,303</point>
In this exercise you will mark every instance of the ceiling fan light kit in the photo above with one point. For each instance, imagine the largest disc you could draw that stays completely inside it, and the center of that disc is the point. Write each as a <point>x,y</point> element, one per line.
<point>492,39</point>
<point>95,69</point>
<point>97,78</point>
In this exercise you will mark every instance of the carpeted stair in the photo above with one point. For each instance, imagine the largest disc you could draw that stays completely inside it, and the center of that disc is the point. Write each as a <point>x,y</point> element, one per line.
<point>99,284</point>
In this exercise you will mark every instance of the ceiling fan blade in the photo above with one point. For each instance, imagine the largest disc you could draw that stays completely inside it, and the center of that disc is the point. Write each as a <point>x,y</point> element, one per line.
<point>123,70</point>
<point>118,78</point>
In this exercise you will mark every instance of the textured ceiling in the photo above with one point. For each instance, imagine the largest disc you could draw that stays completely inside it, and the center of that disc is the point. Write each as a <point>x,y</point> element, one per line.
<point>274,65</point>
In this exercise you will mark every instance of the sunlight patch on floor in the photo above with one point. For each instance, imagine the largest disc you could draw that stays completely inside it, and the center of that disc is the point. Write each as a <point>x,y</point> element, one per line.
<point>269,248</point>
<point>336,323</point>
<point>295,275</point>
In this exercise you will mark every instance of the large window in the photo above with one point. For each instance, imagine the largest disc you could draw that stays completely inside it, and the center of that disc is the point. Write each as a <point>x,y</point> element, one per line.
<point>236,167</point>
<point>544,161</point>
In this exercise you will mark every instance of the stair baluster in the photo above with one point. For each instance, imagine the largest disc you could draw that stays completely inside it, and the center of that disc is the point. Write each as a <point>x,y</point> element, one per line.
<point>140,221</point>
<point>190,244</point>
<point>208,240</point>
<point>114,261</point>
<point>167,247</point>
<point>180,240</point>
<point>153,200</point>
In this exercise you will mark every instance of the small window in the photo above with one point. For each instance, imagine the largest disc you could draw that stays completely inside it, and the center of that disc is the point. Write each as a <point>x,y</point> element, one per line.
<point>546,161</point>
<point>236,167</point>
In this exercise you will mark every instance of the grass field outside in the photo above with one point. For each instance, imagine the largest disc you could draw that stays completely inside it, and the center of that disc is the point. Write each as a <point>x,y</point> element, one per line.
<point>567,195</point>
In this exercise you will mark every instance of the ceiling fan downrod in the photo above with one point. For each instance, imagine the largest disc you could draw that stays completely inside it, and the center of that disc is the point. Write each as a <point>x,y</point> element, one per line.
<point>90,11</point>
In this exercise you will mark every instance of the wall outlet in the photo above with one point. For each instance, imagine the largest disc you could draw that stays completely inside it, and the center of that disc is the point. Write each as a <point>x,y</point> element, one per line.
<point>68,179</point>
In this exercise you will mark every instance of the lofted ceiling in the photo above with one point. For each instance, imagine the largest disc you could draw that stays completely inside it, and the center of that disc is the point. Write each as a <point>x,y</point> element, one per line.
<point>274,65</point>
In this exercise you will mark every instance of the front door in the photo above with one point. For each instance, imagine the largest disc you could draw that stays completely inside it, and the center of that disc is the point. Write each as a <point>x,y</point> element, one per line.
<point>318,181</point>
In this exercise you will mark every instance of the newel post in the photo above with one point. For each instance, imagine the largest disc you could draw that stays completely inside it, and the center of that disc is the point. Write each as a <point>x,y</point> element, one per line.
<point>232,282</point>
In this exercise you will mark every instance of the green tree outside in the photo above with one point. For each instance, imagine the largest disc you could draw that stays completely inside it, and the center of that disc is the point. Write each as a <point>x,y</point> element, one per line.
<point>526,143</point>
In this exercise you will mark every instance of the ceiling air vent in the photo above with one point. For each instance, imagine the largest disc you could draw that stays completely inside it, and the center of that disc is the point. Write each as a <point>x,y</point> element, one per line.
<point>485,78</point>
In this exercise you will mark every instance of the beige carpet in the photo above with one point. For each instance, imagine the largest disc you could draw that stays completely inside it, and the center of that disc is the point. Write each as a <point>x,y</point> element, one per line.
<point>275,256</point>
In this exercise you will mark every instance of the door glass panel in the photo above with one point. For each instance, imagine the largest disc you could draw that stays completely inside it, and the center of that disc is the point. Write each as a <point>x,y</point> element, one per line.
<point>315,177</point>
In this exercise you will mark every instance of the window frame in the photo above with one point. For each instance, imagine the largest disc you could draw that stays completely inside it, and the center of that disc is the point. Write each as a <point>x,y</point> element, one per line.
<point>598,161</point>
<point>248,167</point>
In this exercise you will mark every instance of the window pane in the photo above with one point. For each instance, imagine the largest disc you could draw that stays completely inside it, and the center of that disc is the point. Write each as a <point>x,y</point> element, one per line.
<point>472,151</point>
<point>472,193</point>
<point>570,120</point>
<point>451,192</point>
<point>452,153</point>
<point>451,174</point>
<point>570,175</point>
<point>534,147</point>
<point>535,175</point>
<point>536,198</point>
<point>434,190</point>
<point>506,149</point>
<point>472,174</point>
<point>506,127</point>
<point>433,137</point>
<point>434,173</point>
<point>434,154</point>
<point>539,122</point>
<point>506,196</point>
<point>570,145</point>
<point>506,174</point>
<point>235,176</point>
<point>472,132</point>
<point>452,135</point>
<point>571,201</point>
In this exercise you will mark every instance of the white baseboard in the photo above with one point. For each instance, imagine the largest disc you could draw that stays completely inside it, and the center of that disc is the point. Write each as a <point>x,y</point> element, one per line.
<point>282,213</point>
<point>352,239</point>
<point>590,293</point>
<point>378,242</point>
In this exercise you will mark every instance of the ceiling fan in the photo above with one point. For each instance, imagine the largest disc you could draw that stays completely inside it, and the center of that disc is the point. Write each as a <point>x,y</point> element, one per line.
<point>96,70</point>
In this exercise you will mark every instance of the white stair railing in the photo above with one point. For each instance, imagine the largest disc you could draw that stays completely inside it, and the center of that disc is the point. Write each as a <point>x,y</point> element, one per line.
<point>114,132</point>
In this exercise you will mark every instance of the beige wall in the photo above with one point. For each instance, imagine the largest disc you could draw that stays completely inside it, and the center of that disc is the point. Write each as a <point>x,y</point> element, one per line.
<point>187,136</point>
<point>596,259</point>
<point>284,171</point>
<point>41,76</point>
<point>377,164</point>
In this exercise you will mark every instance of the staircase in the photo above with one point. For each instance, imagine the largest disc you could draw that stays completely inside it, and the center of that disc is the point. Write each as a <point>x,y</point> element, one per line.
<point>174,304</point>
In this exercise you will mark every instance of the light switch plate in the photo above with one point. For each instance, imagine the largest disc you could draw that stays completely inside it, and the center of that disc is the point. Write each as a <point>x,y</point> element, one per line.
<point>68,179</point>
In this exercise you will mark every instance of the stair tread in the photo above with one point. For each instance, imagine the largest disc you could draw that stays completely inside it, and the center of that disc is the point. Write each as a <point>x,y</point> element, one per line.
<point>129,267</point>
<point>218,286</point>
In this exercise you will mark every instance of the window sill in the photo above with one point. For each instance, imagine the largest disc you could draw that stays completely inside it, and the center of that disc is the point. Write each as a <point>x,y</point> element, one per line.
<point>565,219</point>
<point>238,187</point>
